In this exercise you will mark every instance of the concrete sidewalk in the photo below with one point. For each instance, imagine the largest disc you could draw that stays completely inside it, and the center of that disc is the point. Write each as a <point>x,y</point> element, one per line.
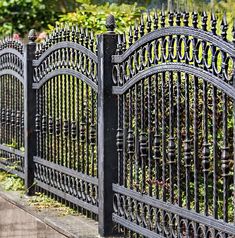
<point>17,220</point>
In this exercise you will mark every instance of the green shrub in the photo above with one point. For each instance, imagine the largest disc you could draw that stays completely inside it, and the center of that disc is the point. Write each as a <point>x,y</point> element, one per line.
<point>93,16</point>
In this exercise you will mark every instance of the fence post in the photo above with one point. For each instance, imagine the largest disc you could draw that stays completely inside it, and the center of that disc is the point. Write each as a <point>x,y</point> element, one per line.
<point>29,112</point>
<point>107,126</point>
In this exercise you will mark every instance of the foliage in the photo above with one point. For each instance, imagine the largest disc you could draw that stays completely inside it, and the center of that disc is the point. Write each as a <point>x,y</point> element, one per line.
<point>22,15</point>
<point>11,182</point>
<point>93,16</point>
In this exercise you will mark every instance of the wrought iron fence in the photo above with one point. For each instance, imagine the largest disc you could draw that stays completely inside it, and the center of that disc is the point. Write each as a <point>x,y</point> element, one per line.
<point>136,131</point>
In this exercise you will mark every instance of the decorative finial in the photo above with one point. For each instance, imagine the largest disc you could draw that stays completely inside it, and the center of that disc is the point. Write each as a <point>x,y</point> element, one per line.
<point>32,35</point>
<point>110,23</point>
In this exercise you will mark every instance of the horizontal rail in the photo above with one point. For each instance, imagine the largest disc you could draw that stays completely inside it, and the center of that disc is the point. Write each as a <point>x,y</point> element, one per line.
<point>12,171</point>
<point>13,73</point>
<point>71,72</point>
<point>66,44</point>
<point>66,170</point>
<point>176,30</point>
<point>134,227</point>
<point>11,150</point>
<point>68,197</point>
<point>180,211</point>
<point>11,51</point>
<point>177,67</point>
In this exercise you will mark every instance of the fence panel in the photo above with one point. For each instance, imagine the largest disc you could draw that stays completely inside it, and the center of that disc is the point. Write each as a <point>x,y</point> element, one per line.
<point>175,136</point>
<point>65,80</point>
<point>168,97</point>
<point>12,106</point>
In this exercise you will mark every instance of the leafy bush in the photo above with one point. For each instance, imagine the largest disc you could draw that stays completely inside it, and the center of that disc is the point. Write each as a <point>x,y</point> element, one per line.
<point>93,16</point>
<point>22,15</point>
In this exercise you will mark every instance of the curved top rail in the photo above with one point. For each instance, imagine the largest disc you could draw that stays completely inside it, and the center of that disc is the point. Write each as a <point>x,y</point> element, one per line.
<point>176,30</point>
<point>71,72</point>
<point>66,44</point>
<point>12,51</point>
<point>177,67</point>
<point>13,73</point>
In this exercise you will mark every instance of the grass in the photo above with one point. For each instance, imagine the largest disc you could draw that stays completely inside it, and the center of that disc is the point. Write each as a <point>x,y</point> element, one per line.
<point>11,182</point>
<point>41,202</point>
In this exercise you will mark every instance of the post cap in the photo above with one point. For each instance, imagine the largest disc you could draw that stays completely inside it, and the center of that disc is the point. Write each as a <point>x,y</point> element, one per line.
<point>110,23</point>
<point>32,35</point>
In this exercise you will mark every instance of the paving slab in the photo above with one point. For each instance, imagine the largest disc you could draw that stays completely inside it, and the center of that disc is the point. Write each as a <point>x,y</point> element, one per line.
<point>18,219</point>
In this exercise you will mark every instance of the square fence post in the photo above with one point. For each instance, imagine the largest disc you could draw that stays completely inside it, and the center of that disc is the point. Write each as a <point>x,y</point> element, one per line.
<point>29,113</point>
<point>107,128</point>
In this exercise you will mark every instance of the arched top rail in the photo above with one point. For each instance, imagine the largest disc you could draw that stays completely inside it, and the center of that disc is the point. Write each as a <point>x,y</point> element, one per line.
<point>66,44</point>
<point>176,30</point>
<point>70,72</point>
<point>11,51</point>
<point>13,73</point>
<point>177,67</point>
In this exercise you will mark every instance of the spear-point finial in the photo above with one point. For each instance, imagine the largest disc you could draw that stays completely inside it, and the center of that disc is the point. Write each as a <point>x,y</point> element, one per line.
<point>204,20</point>
<point>186,18</point>
<point>163,16</point>
<point>130,36</point>
<point>136,31</point>
<point>142,26</point>
<point>213,22</point>
<point>119,45</point>
<point>155,20</point>
<point>149,21</point>
<point>32,36</point>
<point>195,19</point>
<point>171,18</point>
<point>224,27</point>
<point>178,18</point>
<point>110,23</point>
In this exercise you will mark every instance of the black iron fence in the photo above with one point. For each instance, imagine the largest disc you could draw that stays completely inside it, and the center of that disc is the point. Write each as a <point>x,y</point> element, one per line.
<point>135,131</point>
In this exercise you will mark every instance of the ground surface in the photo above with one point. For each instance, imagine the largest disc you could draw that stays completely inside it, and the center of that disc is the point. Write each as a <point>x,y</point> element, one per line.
<point>17,220</point>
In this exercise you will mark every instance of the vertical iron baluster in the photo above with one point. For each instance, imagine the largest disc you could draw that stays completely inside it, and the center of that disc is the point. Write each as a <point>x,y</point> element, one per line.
<point>187,142</point>
<point>78,123</point>
<point>11,108</point>
<point>87,130</point>
<point>6,109</point>
<point>206,149</point>
<point>37,125</point>
<point>214,122</point>
<point>130,137</point>
<point>157,138</point>
<point>225,148</point>
<point>40,116</point>
<point>61,97</point>
<point>171,144</point>
<point>82,129</point>
<point>54,116</point>
<point>163,108</point>
<point>130,140</point>
<point>124,117</point>
<point>195,116</point>
<point>47,106</point>
<point>119,136</point>
<point>93,134</point>
<point>149,109</point>
<point>13,113</point>
<point>50,121</point>
<point>73,123</point>
<point>136,36</point>
<point>179,120</point>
